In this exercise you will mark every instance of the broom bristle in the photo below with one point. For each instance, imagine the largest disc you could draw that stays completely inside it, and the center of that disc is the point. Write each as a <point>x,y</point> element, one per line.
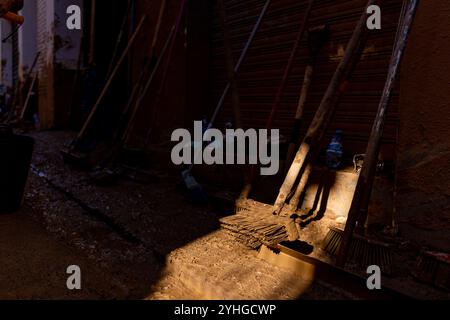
<point>363,251</point>
<point>433,269</point>
<point>332,242</point>
<point>255,227</point>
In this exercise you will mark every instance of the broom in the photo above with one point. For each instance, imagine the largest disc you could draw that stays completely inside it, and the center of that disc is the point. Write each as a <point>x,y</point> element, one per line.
<point>256,227</point>
<point>289,224</point>
<point>363,251</point>
<point>357,215</point>
<point>254,223</point>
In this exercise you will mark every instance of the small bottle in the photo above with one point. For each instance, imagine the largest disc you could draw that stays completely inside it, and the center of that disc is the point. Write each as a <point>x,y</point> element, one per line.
<point>335,151</point>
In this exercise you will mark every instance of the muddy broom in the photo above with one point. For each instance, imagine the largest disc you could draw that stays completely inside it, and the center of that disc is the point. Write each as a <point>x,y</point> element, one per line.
<point>317,37</point>
<point>250,224</point>
<point>316,131</point>
<point>326,109</point>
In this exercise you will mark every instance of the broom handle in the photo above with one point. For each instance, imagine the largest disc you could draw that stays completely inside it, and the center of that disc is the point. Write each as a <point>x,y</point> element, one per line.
<point>276,104</point>
<point>235,99</point>
<point>315,45</point>
<point>295,135</point>
<point>119,37</point>
<point>138,88</point>
<point>110,80</point>
<point>144,90</point>
<point>365,201</point>
<point>92,32</point>
<point>327,107</point>
<point>239,63</point>
<point>368,170</point>
<point>162,8</point>
<point>290,64</point>
<point>162,84</point>
<point>237,67</point>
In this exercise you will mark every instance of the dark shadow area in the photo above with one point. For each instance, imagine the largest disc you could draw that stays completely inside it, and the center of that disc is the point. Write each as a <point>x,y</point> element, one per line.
<point>299,246</point>
<point>319,208</point>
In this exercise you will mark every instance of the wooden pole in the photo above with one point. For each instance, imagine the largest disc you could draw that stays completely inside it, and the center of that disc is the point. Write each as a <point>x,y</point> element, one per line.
<point>276,104</point>
<point>119,38</point>
<point>240,61</point>
<point>29,94</point>
<point>92,32</point>
<point>139,87</point>
<point>162,83</point>
<point>327,107</point>
<point>238,66</point>
<point>109,82</point>
<point>235,100</point>
<point>162,8</point>
<point>316,39</point>
<point>367,175</point>
<point>144,91</point>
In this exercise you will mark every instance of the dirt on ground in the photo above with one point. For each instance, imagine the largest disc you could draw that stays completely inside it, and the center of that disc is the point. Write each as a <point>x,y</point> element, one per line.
<point>131,239</point>
<point>136,238</point>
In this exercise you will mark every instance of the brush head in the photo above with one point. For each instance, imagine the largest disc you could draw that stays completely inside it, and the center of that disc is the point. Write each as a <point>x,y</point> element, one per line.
<point>255,228</point>
<point>363,252</point>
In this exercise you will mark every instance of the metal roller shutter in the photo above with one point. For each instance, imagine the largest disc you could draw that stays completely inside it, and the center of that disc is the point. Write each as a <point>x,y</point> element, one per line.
<point>263,68</point>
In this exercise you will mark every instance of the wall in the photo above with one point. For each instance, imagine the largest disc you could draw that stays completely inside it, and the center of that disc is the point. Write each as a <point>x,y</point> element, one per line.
<point>45,40</point>
<point>423,187</point>
<point>6,54</point>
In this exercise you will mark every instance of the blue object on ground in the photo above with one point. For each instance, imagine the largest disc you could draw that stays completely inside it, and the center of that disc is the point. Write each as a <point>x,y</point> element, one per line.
<point>335,151</point>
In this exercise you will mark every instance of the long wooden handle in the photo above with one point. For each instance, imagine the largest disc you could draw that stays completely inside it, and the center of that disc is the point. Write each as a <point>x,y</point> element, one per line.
<point>109,82</point>
<point>14,18</point>
<point>358,210</point>
<point>326,109</point>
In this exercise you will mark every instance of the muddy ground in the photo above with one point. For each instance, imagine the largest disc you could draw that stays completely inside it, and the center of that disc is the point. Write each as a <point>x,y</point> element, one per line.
<point>132,240</point>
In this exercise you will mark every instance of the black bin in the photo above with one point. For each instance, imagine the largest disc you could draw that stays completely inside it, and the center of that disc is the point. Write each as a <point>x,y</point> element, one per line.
<point>15,160</point>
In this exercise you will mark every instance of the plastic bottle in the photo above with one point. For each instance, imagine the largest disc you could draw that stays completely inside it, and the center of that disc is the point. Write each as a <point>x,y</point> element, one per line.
<point>335,151</point>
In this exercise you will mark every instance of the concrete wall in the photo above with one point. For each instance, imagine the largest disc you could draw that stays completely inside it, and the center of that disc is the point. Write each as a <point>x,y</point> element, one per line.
<point>423,186</point>
<point>6,54</point>
<point>45,39</point>
<point>59,49</point>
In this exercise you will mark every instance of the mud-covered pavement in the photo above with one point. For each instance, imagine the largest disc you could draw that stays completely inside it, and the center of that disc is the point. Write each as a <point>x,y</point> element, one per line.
<point>132,240</point>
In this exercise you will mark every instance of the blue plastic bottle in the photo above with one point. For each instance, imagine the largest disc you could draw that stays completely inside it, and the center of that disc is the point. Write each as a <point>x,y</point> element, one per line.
<point>335,151</point>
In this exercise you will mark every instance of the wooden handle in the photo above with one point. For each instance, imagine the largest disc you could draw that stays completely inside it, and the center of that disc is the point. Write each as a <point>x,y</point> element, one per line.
<point>14,18</point>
